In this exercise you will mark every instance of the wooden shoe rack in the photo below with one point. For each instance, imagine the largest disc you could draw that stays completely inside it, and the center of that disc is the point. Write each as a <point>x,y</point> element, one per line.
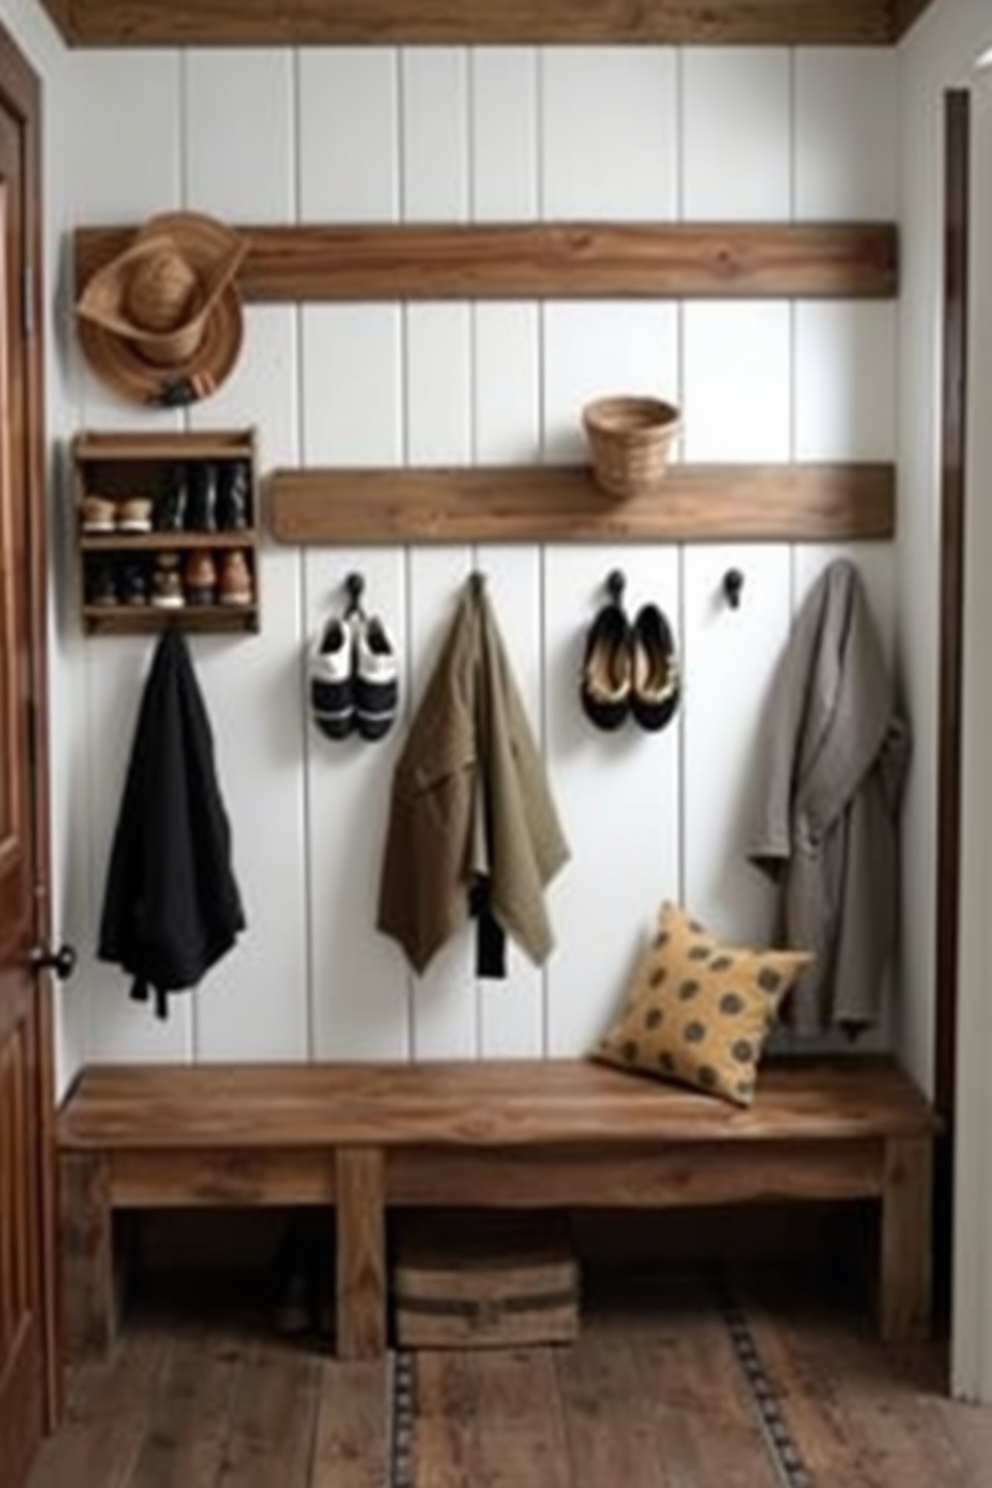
<point>126,466</point>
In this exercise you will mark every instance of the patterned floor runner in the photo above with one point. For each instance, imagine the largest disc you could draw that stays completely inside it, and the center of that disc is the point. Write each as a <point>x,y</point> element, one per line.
<point>775,1432</point>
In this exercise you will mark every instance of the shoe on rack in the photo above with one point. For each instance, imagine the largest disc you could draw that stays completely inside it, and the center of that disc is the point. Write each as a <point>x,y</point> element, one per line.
<point>98,513</point>
<point>169,514</point>
<point>167,585</point>
<point>376,684</point>
<point>607,669</point>
<point>233,489</point>
<point>235,586</point>
<point>330,678</point>
<point>101,583</point>
<point>656,687</point>
<point>201,508</point>
<point>135,514</point>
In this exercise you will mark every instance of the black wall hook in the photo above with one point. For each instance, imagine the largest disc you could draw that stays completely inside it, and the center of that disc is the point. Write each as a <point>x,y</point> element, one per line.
<point>355,585</point>
<point>616,582</point>
<point>733,583</point>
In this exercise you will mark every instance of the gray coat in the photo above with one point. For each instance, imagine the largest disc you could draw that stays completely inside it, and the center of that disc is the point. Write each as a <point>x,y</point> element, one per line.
<point>833,761</point>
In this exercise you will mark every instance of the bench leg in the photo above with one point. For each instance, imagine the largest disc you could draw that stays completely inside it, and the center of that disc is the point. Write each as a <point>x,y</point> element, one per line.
<point>906,1248</point>
<point>89,1301</point>
<point>361,1260</point>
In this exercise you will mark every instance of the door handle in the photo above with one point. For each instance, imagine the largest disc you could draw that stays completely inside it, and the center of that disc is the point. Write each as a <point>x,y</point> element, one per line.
<point>62,961</point>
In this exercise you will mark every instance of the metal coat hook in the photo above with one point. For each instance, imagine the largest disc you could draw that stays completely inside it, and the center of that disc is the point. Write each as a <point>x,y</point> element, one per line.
<point>733,583</point>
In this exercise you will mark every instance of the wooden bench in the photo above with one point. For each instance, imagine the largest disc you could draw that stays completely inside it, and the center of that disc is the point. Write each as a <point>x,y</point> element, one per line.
<point>569,1134</point>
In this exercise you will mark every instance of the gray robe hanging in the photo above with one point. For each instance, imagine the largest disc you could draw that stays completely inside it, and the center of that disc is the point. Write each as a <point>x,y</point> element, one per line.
<point>832,764</point>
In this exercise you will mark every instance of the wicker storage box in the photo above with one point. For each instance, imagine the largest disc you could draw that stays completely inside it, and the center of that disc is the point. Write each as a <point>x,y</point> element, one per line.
<point>484,1281</point>
<point>630,440</point>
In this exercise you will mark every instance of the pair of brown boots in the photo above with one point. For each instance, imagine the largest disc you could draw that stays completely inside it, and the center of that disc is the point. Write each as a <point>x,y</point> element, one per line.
<point>630,669</point>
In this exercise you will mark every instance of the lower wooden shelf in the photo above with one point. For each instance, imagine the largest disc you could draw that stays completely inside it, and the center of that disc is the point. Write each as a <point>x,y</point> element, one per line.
<point>562,503</point>
<point>139,619</point>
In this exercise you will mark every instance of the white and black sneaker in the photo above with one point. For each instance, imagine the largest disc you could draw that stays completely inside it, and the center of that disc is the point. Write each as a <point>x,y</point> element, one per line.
<point>376,684</point>
<point>331,678</point>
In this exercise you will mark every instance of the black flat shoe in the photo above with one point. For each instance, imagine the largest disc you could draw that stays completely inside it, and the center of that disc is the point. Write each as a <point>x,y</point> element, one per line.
<point>607,669</point>
<point>655,683</point>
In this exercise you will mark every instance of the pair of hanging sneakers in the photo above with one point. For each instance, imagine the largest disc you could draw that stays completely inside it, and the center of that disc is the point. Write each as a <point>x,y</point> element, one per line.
<point>353,677</point>
<point>630,669</point>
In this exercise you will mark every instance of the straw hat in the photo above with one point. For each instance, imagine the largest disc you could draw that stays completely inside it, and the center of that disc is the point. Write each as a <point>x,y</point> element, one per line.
<point>162,321</point>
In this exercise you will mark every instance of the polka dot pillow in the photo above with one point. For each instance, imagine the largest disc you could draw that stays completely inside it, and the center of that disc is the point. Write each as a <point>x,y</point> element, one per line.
<point>699,1011</point>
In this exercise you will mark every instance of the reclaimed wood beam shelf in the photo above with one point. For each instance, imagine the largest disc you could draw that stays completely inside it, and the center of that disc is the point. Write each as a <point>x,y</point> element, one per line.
<point>289,264</point>
<point>562,503</point>
<point>125,23</point>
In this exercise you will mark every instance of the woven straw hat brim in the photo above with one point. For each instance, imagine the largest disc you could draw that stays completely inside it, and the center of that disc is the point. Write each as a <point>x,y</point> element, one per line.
<point>192,358</point>
<point>118,361</point>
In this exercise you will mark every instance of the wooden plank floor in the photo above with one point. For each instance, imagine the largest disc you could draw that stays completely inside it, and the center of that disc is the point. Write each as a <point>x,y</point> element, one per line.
<point>655,1394</point>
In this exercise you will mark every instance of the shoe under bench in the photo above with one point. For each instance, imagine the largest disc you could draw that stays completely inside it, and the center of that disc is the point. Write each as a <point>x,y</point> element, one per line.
<point>366,1139</point>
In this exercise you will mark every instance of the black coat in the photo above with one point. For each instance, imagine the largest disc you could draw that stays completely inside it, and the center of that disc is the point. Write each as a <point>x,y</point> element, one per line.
<point>171,905</point>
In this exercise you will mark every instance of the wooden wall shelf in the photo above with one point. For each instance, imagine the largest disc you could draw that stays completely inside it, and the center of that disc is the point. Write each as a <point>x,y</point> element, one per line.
<point>535,261</point>
<point>506,22</point>
<point>696,503</point>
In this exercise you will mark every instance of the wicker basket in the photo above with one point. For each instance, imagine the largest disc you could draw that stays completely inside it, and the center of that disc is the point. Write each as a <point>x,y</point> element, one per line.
<point>630,440</point>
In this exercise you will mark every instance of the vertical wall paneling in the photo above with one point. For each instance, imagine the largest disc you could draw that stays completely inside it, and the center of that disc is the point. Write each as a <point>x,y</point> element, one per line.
<point>239,159</point>
<point>239,1015</point>
<point>358,981</point>
<point>845,134</point>
<point>608,133</point>
<point>438,384</point>
<point>132,107</point>
<point>448,134</point>
<point>434,134</point>
<point>597,347</point>
<point>736,110</point>
<point>506,412</point>
<point>737,391</point>
<point>512,1012</point>
<point>844,381</point>
<point>349,134</point>
<point>503,134</point>
<point>352,384</point>
<point>444,1003</point>
<point>618,795</point>
<point>729,658</point>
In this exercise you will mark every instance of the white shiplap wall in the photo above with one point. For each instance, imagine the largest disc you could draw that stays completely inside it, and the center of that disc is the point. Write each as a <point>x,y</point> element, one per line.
<point>453,135</point>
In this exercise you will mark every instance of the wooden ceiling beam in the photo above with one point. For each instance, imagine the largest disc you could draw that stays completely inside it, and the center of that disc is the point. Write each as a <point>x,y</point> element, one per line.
<point>124,23</point>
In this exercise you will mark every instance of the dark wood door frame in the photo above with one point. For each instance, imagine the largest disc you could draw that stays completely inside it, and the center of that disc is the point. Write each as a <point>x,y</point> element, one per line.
<point>20,93</point>
<point>952,446</point>
<point>952,435</point>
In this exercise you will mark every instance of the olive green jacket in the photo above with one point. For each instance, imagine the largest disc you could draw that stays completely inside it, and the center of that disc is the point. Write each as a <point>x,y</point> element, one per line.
<point>470,801</point>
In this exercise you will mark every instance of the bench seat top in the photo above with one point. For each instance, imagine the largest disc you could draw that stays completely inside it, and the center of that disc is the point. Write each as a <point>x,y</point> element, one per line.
<point>485,1103</point>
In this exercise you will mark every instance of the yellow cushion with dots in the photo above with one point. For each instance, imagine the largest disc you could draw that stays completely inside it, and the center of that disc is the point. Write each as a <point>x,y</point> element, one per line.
<point>699,1011</point>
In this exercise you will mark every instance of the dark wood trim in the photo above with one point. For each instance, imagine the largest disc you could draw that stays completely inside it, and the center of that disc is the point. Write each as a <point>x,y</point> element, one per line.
<point>957,108</point>
<point>904,14</point>
<point>724,503</point>
<point>20,91</point>
<point>389,262</point>
<point>519,22</point>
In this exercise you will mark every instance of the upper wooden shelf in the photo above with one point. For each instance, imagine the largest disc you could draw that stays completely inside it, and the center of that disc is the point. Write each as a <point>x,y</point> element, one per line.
<point>544,503</point>
<point>522,261</point>
<point>131,23</point>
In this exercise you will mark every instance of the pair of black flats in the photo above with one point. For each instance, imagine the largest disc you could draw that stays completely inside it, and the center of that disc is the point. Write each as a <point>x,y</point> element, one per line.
<point>630,669</point>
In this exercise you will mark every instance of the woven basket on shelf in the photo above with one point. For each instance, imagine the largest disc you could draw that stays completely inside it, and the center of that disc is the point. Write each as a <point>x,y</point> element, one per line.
<point>630,440</point>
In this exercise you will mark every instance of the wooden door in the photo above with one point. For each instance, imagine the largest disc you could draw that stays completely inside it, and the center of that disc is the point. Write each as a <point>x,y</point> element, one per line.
<point>26,1351</point>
